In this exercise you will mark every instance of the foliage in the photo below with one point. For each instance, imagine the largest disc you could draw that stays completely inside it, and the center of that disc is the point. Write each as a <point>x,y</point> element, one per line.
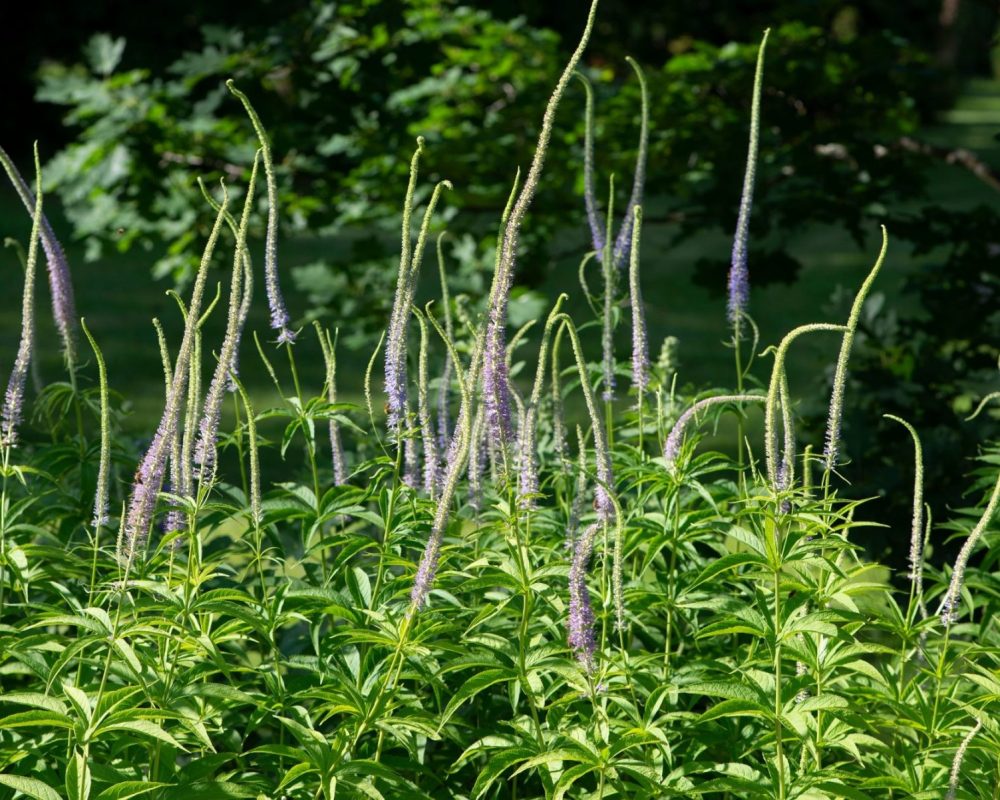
<point>728,636</point>
<point>345,90</point>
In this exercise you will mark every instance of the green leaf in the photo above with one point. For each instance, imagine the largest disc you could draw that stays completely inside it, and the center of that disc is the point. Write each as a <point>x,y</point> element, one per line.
<point>78,779</point>
<point>736,708</point>
<point>30,786</point>
<point>128,789</point>
<point>724,564</point>
<point>143,727</point>
<point>472,687</point>
<point>496,766</point>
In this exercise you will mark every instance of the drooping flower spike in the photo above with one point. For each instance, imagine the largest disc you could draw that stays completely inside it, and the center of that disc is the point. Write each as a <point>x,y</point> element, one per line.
<point>13,403</point>
<point>60,280</point>
<point>916,557</point>
<point>208,427</point>
<point>280,320</point>
<point>672,445</point>
<point>840,376</point>
<point>100,517</point>
<point>739,273</point>
<point>495,378</point>
<point>329,348</point>
<point>600,233</point>
<point>150,473</point>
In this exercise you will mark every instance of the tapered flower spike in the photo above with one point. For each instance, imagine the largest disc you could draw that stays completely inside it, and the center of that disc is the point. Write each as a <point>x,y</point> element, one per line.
<point>150,473</point>
<point>640,343</point>
<point>840,376</point>
<point>409,266</point>
<point>444,392</point>
<point>247,294</point>
<point>672,445</point>
<point>13,404</point>
<point>276,301</point>
<point>329,348</point>
<point>458,455</point>
<point>175,520</point>
<point>576,507</point>
<point>495,379</point>
<point>589,200</point>
<point>395,344</point>
<point>558,421</point>
<point>739,275</point>
<point>601,234</point>
<point>60,280</point>
<point>623,241</point>
<point>427,432</point>
<point>208,427</point>
<point>774,392</point>
<point>948,610</point>
<point>956,764</point>
<point>916,557</point>
<point>610,273</point>
<point>104,466</point>
<point>580,617</point>
<point>605,479</point>
<point>528,485</point>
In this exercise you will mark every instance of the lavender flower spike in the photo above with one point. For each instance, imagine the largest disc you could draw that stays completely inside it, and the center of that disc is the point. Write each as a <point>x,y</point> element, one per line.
<point>623,241</point>
<point>495,380</point>
<point>956,765</point>
<point>279,315</point>
<point>527,458</point>
<point>739,276</point>
<point>328,346</point>
<point>104,467</point>
<point>580,620</point>
<point>672,446</point>
<point>208,427</point>
<point>13,405</point>
<point>948,609</point>
<point>840,376</point>
<point>917,526</point>
<point>640,344</point>
<point>149,475</point>
<point>395,345</point>
<point>60,282</point>
<point>589,200</point>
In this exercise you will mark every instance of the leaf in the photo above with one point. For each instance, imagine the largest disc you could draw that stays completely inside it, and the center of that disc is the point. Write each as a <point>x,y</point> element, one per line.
<point>78,780</point>
<point>30,786</point>
<point>26,719</point>
<point>36,700</point>
<point>128,789</point>
<point>473,686</point>
<point>495,767</point>
<point>724,564</point>
<point>143,727</point>
<point>736,708</point>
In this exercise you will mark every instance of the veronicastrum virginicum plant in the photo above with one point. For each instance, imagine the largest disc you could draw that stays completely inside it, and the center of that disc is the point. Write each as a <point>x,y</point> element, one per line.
<point>619,613</point>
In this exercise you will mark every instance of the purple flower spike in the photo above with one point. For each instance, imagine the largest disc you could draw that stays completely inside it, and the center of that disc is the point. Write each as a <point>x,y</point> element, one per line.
<point>496,389</point>
<point>739,274</point>
<point>150,474</point>
<point>672,447</point>
<point>275,301</point>
<point>580,621</point>
<point>589,200</point>
<point>60,282</point>
<point>13,405</point>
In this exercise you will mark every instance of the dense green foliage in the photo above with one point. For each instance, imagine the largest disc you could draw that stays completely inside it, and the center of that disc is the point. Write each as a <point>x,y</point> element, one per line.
<point>652,619</point>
